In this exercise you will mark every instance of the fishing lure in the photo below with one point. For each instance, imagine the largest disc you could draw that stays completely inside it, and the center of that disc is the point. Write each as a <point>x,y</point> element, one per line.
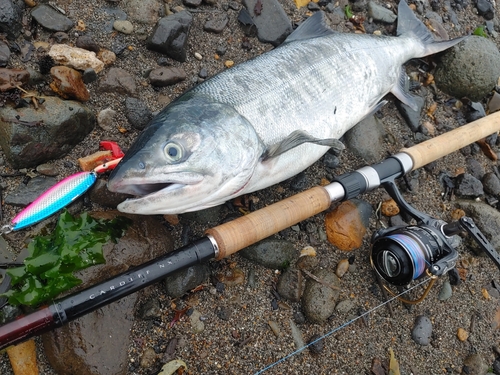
<point>62,194</point>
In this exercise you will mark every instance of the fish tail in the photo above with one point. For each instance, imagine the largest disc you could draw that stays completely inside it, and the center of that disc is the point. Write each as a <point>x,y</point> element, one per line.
<point>409,24</point>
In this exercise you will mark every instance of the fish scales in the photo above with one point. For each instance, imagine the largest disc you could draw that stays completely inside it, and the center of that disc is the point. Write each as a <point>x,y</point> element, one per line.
<point>269,118</point>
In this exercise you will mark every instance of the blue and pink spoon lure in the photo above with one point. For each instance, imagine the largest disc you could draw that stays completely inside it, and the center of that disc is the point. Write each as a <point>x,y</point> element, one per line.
<point>62,194</point>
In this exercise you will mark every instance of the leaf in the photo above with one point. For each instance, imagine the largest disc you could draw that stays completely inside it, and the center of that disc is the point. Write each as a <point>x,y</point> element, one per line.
<point>348,12</point>
<point>75,243</point>
<point>479,31</point>
<point>172,367</point>
<point>393,364</point>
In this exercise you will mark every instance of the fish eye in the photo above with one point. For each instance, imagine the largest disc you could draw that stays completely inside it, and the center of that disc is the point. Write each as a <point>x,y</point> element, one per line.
<point>173,151</point>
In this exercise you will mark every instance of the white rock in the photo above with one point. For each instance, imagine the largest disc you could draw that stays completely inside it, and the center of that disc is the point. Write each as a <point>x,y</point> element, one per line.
<point>76,58</point>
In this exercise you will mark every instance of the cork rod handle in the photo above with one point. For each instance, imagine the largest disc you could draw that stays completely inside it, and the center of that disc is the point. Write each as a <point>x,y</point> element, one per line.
<point>246,230</point>
<point>445,144</point>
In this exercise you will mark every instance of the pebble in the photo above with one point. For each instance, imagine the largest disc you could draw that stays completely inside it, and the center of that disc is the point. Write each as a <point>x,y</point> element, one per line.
<point>148,358</point>
<point>203,73</point>
<point>196,323</point>
<point>4,54</point>
<point>192,3</point>
<point>106,56</point>
<point>468,186</point>
<point>456,76</point>
<point>235,277</point>
<point>76,58</point>
<point>486,9</point>
<point>106,119</point>
<point>272,24</point>
<point>143,11</point>
<point>275,328</point>
<point>169,36</point>
<point>475,168</point>
<point>412,117</point>
<point>68,83</point>
<point>367,139</point>
<point>296,335</point>
<point>307,263</point>
<point>485,217</point>
<point>422,330</point>
<point>316,344</point>
<point>11,19</point>
<point>380,13</point>
<point>474,364</point>
<point>24,194</point>
<point>389,208</point>
<point>290,285</point>
<point>217,24</point>
<point>271,253</point>
<point>119,81</point>
<point>462,334</point>
<point>344,306</point>
<point>150,310</point>
<point>166,76</point>
<point>182,281</point>
<point>446,292</point>
<point>137,112</point>
<point>86,42</point>
<point>123,26</point>
<point>491,183</point>
<point>346,225</point>
<point>342,268</point>
<point>228,63</point>
<point>319,300</point>
<point>51,19</point>
<point>47,169</point>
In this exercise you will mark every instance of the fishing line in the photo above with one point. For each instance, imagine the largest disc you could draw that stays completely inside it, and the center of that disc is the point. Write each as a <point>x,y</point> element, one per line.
<point>340,327</point>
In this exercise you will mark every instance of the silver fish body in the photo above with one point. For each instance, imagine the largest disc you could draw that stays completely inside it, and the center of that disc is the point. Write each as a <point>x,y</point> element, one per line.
<point>267,119</point>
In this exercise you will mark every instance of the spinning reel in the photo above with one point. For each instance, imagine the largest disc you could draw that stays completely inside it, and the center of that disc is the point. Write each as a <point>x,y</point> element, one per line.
<point>402,254</point>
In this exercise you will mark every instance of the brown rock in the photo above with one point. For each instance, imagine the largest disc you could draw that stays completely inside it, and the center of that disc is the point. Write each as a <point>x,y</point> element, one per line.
<point>342,268</point>
<point>119,81</point>
<point>346,225</point>
<point>97,343</point>
<point>23,358</point>
<point>68,83</point>
<point>10,78</point>
<point>389,208</point>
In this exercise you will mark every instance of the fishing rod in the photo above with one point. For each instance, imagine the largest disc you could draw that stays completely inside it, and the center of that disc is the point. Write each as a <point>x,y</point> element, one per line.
<point>395,261</point>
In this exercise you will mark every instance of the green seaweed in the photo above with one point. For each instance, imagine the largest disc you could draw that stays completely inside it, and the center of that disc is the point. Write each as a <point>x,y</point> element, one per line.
<point>348,12</point>
<point>75,243</point>
<point>480,31</point>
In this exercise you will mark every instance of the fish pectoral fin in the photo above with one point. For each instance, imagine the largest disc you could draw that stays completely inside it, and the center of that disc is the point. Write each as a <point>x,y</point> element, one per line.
<point>313,27</point>
<point>400,91</point>
<point>297,138</point>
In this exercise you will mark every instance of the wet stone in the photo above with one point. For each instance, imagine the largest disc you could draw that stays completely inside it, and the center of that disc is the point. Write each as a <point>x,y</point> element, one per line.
<point>346,225</point>
<point>100,194</point>
<point>491,183</point>
<point>380,13</point>
<point>272,24</point>
<point>68,83</point>
<point>192,3</point>
<point>271,253</point>
<point>106,118</point>
<point>289,285</point>
<point>10,18</point>
<point>123,26</point>
<point>445,292</point>
<point>89,75</point>
<point>166,76</point>
<point>119,81</point>
<point>331,161</point>
<point>137,112</point>
<point>29,146</point>
<point>47,169</point>
<point>475,168</point>
<point>474,364</point>
<point>223,313</point>
<point>143,11</point>
<point>170,34</point>
<point>468,186</point>
<point>217,24</point>
<point>319,300</point>
<point>316,345</point>
<point>51,19</point>
<point>182,281</point>
<point>25,194</point>
<point>456,76</point>
<point>422,330</point>
<point>299,182</point>
<point>486,9</point>
<point>411,116</point>
<point>4,53</point>
<point>366,139</point>
<point>86,42</point>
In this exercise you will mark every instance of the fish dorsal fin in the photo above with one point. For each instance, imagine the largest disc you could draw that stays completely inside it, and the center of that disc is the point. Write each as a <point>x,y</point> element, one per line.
<point>297,138</point>
<point>315,26</point>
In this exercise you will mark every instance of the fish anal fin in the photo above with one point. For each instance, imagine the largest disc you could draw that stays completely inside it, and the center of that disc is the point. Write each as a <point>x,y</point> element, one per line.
<point>315,26</point>
<point>400,91</point>
<point>297,138</point>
